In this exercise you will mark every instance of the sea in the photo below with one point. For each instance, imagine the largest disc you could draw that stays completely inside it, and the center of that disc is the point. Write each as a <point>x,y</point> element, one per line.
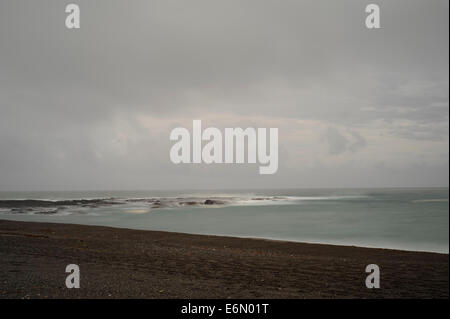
<point>414,219</point>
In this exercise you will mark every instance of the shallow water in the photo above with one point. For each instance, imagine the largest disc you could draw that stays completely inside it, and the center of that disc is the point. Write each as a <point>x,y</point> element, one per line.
<point>411,219</point>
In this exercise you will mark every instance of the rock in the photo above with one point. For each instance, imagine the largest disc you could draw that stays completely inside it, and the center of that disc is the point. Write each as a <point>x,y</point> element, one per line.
<point>212,202</point>
<point>189,203</point>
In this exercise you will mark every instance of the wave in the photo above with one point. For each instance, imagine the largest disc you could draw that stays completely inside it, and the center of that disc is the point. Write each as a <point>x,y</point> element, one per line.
<point>69,206</point>
<point>15,203</point>
<point>49,207</point>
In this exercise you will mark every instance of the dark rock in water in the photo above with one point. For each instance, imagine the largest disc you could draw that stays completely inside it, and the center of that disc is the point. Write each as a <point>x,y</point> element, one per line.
<point>213,202</point>
<point>21,210</point>
<point>46,203</point>
<point>189,203</point>
<point>156,204</point>
<point>17,211</point>
<point>47,212</point>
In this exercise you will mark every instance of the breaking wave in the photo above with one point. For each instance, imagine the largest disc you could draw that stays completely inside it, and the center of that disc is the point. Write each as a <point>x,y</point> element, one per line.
<point>70,206</point>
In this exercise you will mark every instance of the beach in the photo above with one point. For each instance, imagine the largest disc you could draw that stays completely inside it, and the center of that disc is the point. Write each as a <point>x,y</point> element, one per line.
<point>126,263</point>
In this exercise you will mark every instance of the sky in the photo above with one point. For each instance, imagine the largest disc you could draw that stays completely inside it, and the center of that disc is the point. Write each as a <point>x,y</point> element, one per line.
<point>93,108</point>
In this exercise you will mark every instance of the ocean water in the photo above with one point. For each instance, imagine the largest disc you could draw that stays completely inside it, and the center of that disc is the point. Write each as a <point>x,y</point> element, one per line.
<point>409,219</point>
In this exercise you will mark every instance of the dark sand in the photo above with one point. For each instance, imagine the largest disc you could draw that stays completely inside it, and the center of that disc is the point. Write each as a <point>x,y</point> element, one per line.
<point>123,263</point>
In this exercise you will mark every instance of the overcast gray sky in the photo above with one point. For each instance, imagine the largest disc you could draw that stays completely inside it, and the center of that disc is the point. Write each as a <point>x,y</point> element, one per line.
<point>93,108</point>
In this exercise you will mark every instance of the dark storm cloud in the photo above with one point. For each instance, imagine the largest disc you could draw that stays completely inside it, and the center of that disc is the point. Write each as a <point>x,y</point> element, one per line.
<point>72,102</point>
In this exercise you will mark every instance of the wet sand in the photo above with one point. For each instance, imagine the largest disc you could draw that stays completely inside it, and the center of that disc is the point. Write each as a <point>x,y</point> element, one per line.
<point>124,263</point>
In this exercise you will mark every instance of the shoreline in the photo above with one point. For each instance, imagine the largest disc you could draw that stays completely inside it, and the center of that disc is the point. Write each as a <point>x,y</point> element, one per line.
<point>242,237</point>
<point>128,263</point>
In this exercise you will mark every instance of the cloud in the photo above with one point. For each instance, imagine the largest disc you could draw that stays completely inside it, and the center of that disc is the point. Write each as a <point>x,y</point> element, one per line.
<point>93,108</point>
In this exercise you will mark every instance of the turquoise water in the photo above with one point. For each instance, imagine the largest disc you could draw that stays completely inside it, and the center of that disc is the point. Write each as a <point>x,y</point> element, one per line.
<point>410,219</point>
